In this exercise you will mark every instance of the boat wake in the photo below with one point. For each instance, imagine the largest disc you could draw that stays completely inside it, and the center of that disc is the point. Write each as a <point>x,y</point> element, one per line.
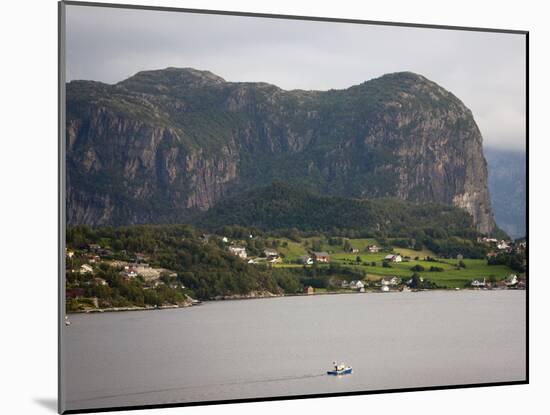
<point>183,388</point>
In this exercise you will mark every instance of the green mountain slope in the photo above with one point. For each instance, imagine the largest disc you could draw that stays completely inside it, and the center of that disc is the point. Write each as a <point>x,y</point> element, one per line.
<point>283,207</point>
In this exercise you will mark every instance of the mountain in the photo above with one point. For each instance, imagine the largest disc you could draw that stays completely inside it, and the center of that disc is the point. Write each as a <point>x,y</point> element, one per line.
<point>161,145</point>
<point>280,206</point>
<point>507,186</point>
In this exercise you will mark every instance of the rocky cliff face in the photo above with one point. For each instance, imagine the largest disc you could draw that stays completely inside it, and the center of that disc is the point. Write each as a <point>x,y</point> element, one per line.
<point>162,144</point>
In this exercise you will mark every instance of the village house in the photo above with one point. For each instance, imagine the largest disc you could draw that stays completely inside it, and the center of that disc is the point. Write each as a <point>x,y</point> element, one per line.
<point>492,254</point>
<point>100,281</point>
<point>93,258</point>
<point>354,250</point>
<point>357,285</point>
<point>503,245</point>
<point>270,252</point>
<point>511,280</point>
<point>225,240</point>
<point>306,260</point>
<point>94,247</point>
<point>393,258</point>
<point>129,275</point>
<point>321,257</point>
<point>69,254</point>
<point>344,284</point>
<point>384,288</point>
<point>238,251</point>
<point>86,269</point>
<point>478,283</point>
<point>373,249</point>
<point>104,251</point>
<point>141,258</point>
<point>309,290</point>
<point>460,257</point>
<point>390,281</point>
<point>272,256</point>
<point>147,272</point>
<point>176,284</point>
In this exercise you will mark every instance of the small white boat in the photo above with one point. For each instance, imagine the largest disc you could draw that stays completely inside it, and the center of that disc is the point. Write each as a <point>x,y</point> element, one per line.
<point>340,369</point>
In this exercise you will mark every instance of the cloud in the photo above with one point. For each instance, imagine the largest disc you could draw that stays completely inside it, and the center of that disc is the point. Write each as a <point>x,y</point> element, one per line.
<point>485,70</point>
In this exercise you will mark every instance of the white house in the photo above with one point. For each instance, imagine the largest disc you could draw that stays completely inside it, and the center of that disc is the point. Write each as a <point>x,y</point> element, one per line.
<point>238,251</point>
<point>511,280</point>
<point>129,274</point>
<point>384,288</point>
<point>100,281</point>
<point>356,285</point>
<point>86,269</point>
<point>272,255</point>
<point>387,281</point>
<point>393,258</point>
<point>225,240</point>
<point>502,245</point>
<point>478,282</point>
<point>373,249</point>
<point>306,260</point>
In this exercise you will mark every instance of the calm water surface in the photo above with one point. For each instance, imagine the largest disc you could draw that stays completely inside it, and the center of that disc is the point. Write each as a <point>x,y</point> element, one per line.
<point>283,346</point>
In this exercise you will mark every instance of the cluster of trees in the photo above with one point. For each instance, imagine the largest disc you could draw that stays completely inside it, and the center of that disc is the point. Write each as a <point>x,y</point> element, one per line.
<point>121,293</point>
<point>515,260</point>
<point>417,282</point>
<point>290,212</point>
<point>281,207</point>
<point>204,267</point>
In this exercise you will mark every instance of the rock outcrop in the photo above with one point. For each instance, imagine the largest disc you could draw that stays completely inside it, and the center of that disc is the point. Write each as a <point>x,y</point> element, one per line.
<point>162,144</point>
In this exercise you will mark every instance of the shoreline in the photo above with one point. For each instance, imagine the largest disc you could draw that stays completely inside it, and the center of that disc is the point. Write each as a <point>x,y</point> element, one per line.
<point>195,303</point>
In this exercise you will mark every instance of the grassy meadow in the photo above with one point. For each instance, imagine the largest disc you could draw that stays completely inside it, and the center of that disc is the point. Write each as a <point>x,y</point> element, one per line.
<point>451,274</point>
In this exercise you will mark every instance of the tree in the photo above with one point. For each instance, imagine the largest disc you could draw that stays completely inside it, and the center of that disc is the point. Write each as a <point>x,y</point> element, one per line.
<point>358,259</point>
<point>416,281</point>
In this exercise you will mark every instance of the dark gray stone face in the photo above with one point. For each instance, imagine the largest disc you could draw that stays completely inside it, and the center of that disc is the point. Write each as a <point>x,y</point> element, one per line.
<point>162,144</point>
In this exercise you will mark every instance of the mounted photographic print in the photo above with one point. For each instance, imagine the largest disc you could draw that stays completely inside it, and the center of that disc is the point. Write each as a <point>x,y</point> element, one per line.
<point>258,207</point>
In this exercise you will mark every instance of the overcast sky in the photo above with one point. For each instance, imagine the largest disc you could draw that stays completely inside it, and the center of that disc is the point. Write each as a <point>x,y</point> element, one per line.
<point>485,70</point>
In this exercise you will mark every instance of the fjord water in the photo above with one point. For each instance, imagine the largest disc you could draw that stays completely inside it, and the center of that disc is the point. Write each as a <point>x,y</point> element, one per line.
<point>283,346</point>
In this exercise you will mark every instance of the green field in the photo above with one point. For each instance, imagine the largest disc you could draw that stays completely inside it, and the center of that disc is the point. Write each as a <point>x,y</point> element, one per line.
<point>452,275</point>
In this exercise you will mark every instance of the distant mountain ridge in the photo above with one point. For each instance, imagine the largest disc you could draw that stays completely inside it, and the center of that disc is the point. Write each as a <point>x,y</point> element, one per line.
<point>508,188</point>
<point>163,144</point>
